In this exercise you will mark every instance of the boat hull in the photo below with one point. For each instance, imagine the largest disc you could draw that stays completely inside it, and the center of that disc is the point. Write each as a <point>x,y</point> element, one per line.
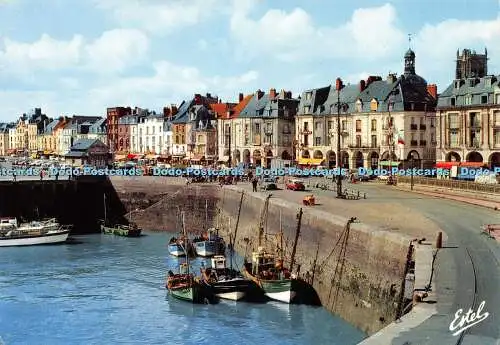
<point>205,248</point>
<point>176,250</point>
<point>231,289</point>
<point>121,232</point>
<point>51,238</point>
<point>196,293</point>
<point>282,290</point>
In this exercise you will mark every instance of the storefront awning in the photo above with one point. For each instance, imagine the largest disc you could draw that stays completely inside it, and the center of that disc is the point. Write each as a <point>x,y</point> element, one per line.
<point>310,161</point>
<point>388,164</point>
<point>131,156</point>
<point>120,157</point>
<point>446,165</point>
<point>472,164</point>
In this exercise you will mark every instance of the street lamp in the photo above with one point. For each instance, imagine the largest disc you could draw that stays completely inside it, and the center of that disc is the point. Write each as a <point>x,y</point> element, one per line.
<point>390,104</point>
<point>340,106</point>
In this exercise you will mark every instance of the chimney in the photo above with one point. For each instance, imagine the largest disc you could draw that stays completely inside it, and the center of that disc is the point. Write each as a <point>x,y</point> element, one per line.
<point>432,90</point>
<point>259,94</point>
<point>288,94</point>
<point>240,97</point>
<point>209,95</point>
<point>166,112</point>
<point>338,84</point>
<point>362,85</point>
<point>391,78</point>
<point>371,79</point>
<point>173,109</point>
<point>272,93</point>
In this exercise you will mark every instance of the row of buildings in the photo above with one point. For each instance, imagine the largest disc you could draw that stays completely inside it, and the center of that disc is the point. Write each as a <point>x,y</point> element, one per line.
<point>382,121</point>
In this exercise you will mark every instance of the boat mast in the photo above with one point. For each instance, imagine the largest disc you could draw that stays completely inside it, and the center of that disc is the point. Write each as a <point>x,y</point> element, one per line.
<point>206,215</point>
<point>105,214</point>
<point>185,241</point>
<point>281,237</point>
<point>297,233</point>
<point>263,219</point>
<point>233,239</point>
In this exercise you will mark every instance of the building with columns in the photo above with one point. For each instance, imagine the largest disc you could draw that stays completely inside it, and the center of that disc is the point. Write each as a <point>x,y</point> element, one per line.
<point>468,115</point>
<point>383,122</point>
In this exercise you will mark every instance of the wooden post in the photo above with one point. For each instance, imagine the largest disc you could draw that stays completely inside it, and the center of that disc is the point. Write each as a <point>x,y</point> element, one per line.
<point>297,233</point>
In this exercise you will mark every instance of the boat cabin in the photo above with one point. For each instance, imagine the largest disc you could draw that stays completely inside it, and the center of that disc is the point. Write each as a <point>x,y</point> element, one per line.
<point>8,222</point>
<point>262,261</point>
<point>218,262</point>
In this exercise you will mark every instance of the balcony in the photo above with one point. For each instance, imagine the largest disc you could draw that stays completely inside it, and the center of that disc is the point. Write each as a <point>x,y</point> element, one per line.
<point>305,132</point>
<point>423,142</point>
<point>423,127</point>
<point>413,143</point>
<point>413,127</point>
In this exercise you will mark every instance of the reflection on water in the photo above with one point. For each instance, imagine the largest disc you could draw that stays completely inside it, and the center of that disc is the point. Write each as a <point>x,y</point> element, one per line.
<point>110,290</point>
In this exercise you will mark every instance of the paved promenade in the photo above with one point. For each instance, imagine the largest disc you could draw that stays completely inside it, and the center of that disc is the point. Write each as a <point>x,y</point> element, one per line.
<point>467,269</point>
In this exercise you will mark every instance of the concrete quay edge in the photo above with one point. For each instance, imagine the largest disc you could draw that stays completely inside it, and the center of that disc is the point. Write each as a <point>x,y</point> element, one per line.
<point>421,311</point>
<point>477,202</point>
<point>331,217</point>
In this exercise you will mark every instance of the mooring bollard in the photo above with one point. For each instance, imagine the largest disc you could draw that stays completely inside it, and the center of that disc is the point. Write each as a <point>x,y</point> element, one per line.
<point>439,240</point>
<point>364,195</point>
<point>358,194</point>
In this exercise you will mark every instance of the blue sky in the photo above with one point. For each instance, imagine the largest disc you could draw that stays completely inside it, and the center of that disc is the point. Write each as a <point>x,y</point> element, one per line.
<point>81,56</point>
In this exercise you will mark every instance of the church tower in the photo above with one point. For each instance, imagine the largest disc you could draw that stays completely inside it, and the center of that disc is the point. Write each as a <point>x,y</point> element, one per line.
<point>471,65</point>
<point>409,63</point>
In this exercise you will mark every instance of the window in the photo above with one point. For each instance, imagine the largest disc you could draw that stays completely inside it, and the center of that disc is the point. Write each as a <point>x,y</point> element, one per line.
<point>373,105</point>
<point>317,141</point>
<point>433,122</point>
<point>497,98</point>
<point>453,138</point>
<point>344,125</point>
<point>468,100</point>
<point>453,101</point>
<point>306,126</point>
<point>433,138</point>
<point>496,118</point>
<point>257,128</point>
<point>484,99</point>
<point>286,140</point>
<point>307,109</point>
<point>374,125</point>
<point>358,140</point>
<point>374,141</point>
<point>308,95</point>
<point>453,121</point>
<point>317,126</point>
<point>412,120</point>
<point>496,137</point>
<point>359,106</point>
<point>358,125</point>
<point>330,125</point>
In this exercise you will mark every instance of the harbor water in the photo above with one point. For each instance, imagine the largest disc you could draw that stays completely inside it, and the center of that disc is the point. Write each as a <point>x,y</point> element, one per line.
<point>101,289</point>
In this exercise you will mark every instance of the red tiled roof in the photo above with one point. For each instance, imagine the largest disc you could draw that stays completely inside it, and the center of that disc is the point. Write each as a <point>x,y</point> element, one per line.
<point>221,109</point>
<point>240,106</point>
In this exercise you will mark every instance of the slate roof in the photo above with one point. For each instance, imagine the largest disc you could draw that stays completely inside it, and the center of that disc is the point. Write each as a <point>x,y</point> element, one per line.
<point>317,99</point>
<point>4,127</point>
<point>485,86</point>
<point>50,127</point>
<point>182,113</point>
<point>267,107</point>
<point>83,144</point>
<point>98,127</point>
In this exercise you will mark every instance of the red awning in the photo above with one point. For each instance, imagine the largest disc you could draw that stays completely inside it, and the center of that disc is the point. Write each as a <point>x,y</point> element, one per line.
<point>132,156</point>
<point>472,164</point>
<point>447,165</point>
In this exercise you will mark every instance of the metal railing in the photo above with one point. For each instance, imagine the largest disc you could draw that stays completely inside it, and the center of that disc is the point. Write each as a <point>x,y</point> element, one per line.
<point>454,184</point>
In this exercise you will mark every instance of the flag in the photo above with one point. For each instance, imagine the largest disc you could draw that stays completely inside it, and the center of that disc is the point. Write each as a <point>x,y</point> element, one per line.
<point>400,137</point>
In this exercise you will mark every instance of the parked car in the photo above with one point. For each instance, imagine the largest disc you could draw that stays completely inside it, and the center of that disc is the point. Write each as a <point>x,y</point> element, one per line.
<point>269,183</point>
<point>296,185</point>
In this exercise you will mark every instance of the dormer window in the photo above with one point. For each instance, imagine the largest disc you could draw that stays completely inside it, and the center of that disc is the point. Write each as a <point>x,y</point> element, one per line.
<point>472,82</point>
<point>359,106</point>
<point>484,99</point>
<point>373,105</point>
<point>453,101</point>
<point>457,84</point>
<point>468,99</point>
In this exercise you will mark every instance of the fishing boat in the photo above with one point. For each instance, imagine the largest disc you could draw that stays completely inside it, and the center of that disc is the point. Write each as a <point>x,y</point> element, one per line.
<point>186,287</point>
<point>209,243</point>
<point>227,283</point>
<point>125,230</point>
<point>180,246</point>
<point>268,271</point>
<point>36,232</point>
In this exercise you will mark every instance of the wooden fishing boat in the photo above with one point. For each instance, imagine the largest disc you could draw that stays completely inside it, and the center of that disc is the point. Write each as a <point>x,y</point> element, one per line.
<point>227,283</point>
<point>267,271</point>
<point>209,243</point>
<point>184,286</point>
<point>125,230</point>
<point>181,245</point>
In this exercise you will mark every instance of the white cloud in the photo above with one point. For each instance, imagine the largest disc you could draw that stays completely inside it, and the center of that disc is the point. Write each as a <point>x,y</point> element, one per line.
<point>370,33</point>
<point>160,16</point>
<point>113,51</point>
<point>117,49</point>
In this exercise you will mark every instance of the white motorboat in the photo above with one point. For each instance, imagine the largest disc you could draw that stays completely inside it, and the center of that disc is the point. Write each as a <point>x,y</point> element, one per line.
<point>36,232</point>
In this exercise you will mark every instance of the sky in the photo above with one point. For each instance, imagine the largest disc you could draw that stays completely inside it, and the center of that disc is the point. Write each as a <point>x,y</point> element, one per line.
<point>81,56</point>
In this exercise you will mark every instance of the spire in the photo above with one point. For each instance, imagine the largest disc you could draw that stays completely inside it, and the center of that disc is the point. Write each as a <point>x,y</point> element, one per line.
<point>409,59</point>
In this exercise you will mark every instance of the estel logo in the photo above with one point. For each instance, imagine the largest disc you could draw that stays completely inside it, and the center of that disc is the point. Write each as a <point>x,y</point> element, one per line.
<point>463,321</point>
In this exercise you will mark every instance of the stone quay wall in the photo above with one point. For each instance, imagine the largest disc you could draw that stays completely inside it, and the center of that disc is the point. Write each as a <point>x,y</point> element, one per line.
<point>365,292</point>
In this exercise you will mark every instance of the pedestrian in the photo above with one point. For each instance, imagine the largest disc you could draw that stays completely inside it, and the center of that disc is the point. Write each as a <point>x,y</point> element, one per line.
<point>57,175</point>
<point>254,184</point>
<point>41,175</point>
<point>14,176</point>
